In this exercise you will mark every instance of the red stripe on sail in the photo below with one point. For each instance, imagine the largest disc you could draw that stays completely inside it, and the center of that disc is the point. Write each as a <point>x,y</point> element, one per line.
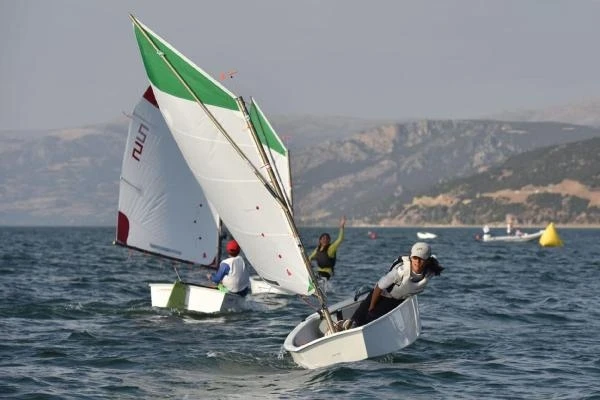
<point>122,228</point>
<point>149,95</point>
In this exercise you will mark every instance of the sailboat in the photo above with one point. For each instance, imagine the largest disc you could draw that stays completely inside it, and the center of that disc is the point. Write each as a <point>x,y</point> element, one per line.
<point>426,235</point>
<point>525,237</point>
<point>517,237</point>
<point>233,156</point>
<point>162,211</point>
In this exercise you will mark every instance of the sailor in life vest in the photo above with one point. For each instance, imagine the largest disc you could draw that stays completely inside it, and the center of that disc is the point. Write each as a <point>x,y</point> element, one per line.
<point>233,273</point>
<point>407,276</point>
<point>326,252</point>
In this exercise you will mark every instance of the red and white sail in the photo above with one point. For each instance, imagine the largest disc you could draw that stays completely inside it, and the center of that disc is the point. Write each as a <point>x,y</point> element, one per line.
<point>162,209</point>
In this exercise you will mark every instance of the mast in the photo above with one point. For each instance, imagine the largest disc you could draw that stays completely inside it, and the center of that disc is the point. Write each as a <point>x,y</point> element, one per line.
<point>290,181</point>
<point>263,123</point>
<point>288,213</point>
<point>219,243</point>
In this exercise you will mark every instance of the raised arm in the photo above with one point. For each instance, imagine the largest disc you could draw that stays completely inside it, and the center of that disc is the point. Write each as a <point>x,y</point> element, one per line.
<point>333,247</point>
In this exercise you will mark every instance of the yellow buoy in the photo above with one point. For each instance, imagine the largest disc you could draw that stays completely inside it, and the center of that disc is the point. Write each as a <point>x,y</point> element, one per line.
<point>550,237</point>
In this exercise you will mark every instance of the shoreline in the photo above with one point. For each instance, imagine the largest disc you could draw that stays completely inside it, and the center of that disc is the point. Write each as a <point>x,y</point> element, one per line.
<point>491,226</point>
<point>423,227</point>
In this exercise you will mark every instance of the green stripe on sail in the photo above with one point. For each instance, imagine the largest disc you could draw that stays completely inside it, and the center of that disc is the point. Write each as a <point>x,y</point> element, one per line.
<point>164,79</point>
<point>311,286</point>
<point>266,135</point>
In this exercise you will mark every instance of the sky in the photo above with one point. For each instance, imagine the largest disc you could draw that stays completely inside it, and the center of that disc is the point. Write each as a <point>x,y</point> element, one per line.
<point>69,63</point>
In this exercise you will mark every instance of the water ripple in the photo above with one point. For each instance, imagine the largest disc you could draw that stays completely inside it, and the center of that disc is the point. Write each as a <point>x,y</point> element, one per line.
<point>502,322</point>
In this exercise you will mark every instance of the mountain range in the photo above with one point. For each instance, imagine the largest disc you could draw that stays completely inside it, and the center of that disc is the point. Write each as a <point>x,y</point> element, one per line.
<point>377,172</point>
<point>559,183</point>
<point>372,176</point>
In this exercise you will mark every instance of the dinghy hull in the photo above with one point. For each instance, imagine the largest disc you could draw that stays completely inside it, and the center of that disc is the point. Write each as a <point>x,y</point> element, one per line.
<point>513,238</point>
<point>310,348</point>
<point>201,299</point>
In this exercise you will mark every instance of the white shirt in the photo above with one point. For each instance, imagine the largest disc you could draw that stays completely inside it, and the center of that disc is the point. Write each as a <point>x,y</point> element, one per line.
<point>400,277</point>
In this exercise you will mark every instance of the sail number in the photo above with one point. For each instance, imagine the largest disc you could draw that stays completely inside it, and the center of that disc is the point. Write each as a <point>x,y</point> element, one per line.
<point>140,138</point>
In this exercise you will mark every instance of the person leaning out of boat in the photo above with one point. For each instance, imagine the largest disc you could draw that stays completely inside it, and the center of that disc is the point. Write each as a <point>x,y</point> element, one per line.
<point>233,273</point>
<point>407,276</point>
<point>326,252</point>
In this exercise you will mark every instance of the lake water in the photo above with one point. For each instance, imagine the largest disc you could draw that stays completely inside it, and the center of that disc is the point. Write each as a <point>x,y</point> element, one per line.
<point>503,321</point>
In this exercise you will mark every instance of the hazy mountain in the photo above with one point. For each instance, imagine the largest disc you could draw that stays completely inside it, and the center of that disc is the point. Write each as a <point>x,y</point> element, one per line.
<point>581,113</point>
<point>301,131</point>
<point>71,176</point>
<point>371,173</point>
<point>554,184</point>
<point>362,168</point>
<point>64,177</point>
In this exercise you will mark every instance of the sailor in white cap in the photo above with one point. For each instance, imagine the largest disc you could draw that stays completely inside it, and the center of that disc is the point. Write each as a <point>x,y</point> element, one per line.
<point>408,275</point>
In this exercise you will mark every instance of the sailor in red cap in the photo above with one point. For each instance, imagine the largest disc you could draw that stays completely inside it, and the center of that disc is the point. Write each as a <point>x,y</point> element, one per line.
<point>232,272</point>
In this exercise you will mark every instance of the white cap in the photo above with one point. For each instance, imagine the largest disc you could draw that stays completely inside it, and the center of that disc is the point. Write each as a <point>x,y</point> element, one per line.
<point>421,250</point>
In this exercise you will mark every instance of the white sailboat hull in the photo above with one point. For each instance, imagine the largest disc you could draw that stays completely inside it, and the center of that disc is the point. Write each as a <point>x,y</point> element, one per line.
<point>426,235</point>
<point>311,349</point>
<point>201,299</point>
<point>260,286</point>
<point>513,238</point>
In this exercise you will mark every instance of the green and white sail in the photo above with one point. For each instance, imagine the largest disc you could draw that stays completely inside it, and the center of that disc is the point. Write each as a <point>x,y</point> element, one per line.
<point>209,124</point>
<point>162,209</point>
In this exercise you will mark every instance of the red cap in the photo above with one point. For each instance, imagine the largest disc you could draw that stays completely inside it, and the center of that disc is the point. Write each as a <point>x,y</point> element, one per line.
<point>233,248</point>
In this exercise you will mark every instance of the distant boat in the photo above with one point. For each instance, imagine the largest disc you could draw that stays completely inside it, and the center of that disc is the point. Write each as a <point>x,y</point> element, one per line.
<point>426,235</point>
<point>525,237</point>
